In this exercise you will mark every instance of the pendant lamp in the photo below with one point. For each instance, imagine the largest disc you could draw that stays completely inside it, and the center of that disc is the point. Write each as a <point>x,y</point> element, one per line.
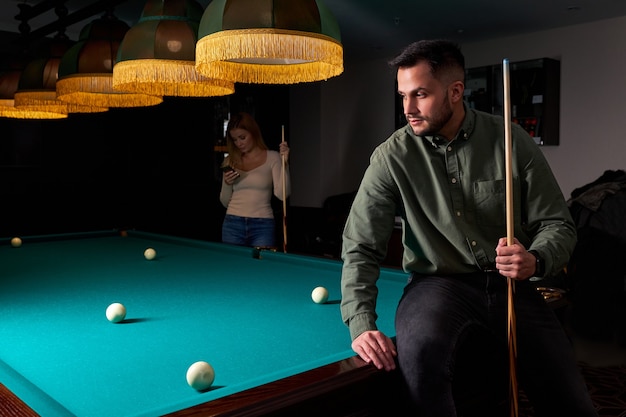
<point>14,113</point>
<point>86,69</point>
<point>36,91</point>
<point>37,86</point>
<point>48,101</point>
<point>9,84</point>
<point>157,55</point>
<point>269,41</point>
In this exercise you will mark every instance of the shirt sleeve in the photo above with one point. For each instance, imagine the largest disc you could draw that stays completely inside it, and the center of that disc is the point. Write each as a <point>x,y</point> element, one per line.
<point>364,245</point>
<point>277,176</point>
<point>548,221</point>
<point>226,193</point>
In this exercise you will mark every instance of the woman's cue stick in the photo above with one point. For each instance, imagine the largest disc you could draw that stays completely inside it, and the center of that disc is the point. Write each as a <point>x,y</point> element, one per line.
<point>284,197</point>
<point>510,235</point>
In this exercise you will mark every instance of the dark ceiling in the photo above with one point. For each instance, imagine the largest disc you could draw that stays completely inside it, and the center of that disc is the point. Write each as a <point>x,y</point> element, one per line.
<point>368,27</point>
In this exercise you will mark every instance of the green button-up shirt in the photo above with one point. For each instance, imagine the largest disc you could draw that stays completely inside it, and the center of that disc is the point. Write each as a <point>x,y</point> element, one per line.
<point>451,198</point>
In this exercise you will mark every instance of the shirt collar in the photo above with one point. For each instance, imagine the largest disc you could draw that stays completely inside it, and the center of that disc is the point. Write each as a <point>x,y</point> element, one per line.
<point>468,125</point>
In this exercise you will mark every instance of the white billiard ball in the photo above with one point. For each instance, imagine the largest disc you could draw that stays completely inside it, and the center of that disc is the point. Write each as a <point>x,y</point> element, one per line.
<point>200,375</point>
<point>149,254</point>
<point>116,312</point>
<point>319,295</point>
<point>16,242</point>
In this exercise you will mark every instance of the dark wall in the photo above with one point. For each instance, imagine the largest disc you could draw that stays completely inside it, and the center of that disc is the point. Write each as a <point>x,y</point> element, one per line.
<point>151,168</point>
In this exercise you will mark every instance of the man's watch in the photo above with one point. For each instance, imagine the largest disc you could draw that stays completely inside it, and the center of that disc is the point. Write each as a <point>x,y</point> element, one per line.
<point>540,264</point>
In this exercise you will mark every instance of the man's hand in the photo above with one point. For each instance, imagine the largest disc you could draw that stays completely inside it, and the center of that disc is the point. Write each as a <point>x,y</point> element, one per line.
<point>376,348</point>
<point>514,261</point>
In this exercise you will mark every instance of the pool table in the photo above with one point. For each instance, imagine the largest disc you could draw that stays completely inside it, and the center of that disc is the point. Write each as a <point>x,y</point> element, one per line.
<point>248,312</point>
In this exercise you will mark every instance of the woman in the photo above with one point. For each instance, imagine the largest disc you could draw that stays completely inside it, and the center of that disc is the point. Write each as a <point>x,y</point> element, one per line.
<point>252,173</point>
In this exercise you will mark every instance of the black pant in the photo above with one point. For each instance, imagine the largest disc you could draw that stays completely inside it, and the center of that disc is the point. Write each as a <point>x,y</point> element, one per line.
<point>438,317</point>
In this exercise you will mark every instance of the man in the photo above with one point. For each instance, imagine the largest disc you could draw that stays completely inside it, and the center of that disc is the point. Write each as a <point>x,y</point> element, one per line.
<point>444,174</point>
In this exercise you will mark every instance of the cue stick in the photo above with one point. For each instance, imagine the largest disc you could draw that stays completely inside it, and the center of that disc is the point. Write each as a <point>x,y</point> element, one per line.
<point>284,196</point>
<point>509,236</point>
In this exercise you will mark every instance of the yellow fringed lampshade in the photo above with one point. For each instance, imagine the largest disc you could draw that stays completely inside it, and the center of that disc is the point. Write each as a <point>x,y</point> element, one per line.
<point>46,101</point>
<point>15,113</point>
<point>8,110</point>
<point>86,69</point>
<point>39,100</point>
<point>36,91</point>
<point>36,95</point>
<point>157,55</point>
<point>269,41</point>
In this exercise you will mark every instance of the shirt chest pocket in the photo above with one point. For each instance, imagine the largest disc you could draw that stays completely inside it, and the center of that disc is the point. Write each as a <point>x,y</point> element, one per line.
<point>490,202</point>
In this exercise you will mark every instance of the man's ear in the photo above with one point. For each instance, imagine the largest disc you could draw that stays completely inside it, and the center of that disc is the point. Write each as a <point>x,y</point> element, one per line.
<point>456,90</point>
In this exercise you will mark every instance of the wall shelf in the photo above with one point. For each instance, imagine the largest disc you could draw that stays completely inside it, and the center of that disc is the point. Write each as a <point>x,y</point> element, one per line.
<point>534,92</point>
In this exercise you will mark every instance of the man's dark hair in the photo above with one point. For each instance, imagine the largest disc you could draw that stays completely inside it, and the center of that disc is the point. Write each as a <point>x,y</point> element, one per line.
<point>444,57</point>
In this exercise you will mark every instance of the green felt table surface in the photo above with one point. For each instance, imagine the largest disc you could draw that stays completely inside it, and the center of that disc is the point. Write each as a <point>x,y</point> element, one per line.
<point>252,319</point>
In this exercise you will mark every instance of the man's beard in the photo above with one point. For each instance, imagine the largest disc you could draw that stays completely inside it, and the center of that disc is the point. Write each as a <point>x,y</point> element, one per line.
<point>437,122</point>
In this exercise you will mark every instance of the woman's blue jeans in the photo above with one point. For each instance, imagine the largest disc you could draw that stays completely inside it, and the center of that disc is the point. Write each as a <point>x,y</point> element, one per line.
<point>437,314</point>
<point>248,231</point>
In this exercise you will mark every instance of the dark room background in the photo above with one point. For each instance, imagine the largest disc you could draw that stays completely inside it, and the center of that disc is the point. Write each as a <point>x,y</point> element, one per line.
<point>149,168</point>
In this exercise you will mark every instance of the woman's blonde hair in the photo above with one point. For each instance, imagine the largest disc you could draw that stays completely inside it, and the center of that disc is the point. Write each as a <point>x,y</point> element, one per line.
<point>246,122</point>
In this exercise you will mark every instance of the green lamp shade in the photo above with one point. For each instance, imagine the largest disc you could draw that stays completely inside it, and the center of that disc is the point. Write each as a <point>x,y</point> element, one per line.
<point>269,41</point>
<point>157,55</point>
<point>86,69</point>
